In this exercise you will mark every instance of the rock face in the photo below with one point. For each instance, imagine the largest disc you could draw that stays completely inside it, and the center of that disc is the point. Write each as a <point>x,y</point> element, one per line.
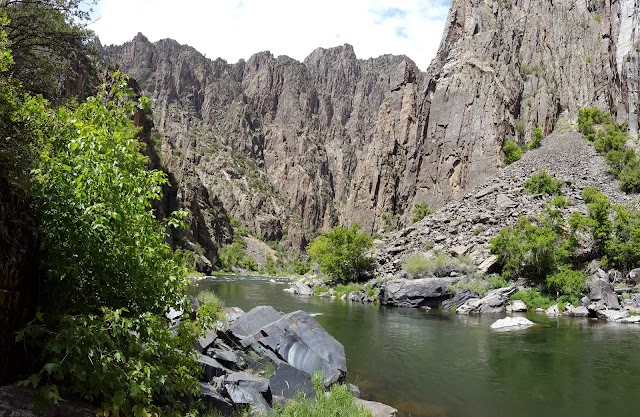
<point>287,146</point>
<point>421,292</point>
<point>503,68</point>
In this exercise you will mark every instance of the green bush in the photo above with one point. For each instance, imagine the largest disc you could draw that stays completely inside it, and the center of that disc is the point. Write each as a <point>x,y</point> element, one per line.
<point>529,250</point>
<point>512,152</point>
<point>440,266</point>
<point>337,402</point>
<point>560,202</point>
<point>420,211</point>
<point>537,135</point>
<point>623,247</point>
<point>340,252</point>
<point>533,299</point>
<point>479,286</point>
<point>232,256</point>
<point>543,183</point>
<point>566,282</point>
<point>588,118</point>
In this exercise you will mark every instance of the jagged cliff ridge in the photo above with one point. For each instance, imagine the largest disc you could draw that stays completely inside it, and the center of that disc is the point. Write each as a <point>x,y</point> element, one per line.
<point>505,66</point>
<point>291,147</point>
<point>286,146</point>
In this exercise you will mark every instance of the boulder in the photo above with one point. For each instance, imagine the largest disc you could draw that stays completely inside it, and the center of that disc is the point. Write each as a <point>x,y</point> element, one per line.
<point>288,381</point>
<point>460,298</point>
<point>517,306</point>
<point>612,315</point>
<point>19,402</point>
<point>377,409</point>
<point>232,314</point>
<point>552,311</point>
<point>228,356</point>
<point>512,322</point>
<point>301,288</point>
<point>299,340</point>
<point>417,292</point>
<point>578,311</point>
<point>493,302</point>
<point>205,341</point>
<point>600,289</point>
<point>212,368</point>
<point>213,399</point>
<point>248,396</point>
<point>633,277</point>
<point>251,322</point>
<point>245,380</point>
<point>630,319</point>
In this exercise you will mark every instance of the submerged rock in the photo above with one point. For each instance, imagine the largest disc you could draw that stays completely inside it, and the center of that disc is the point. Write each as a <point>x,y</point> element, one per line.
<point>377,409</point>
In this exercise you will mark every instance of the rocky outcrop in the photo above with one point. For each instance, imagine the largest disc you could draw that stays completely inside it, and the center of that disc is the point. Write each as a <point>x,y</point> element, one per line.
<point>469,223</point>
<point>493,302</point>
<point>504,67</point>
<point>429,292</point>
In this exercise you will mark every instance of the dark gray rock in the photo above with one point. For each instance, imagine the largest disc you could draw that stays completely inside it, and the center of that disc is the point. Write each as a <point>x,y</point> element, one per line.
<point>18,402</point>
<point>249,396</point>
<point>288,381</point>
<point>612,315</point>
<point>493,302</point>
<point>213,399</point>
<point>228,356</point>
<point>212,368</point>
<point>417,292</point>
<point>251,322</point>
<point>578,311</point>
<point>232,314</point>
<point>205,341</point>
<point>601,290</point>
<point>245,380</point>
<point>633,277</point>
<point>460,298</point>
<point>299,340</point>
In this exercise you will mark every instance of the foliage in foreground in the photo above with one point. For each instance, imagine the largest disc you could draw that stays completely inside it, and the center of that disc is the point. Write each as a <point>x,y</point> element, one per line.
<point>441,265</point>
<point>337,402</point>
<point>340,252</point>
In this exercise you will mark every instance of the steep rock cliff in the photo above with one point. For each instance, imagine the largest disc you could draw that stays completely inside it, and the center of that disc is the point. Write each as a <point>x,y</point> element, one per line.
<point>288,147</point>
<point>505,66</point>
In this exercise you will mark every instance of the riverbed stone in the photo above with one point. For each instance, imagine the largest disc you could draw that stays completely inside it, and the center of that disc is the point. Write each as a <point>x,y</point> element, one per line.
<point>377,409</point>
<point>417,292</point>
<point>491,303</point>
<point>251,322</point>
<point>517,306</point>
<point>288,381</point>
<point>299,340</point>
<point>552,311</point>
<point>511,322</point>
<point>460,298</point>
<point>580,311</point>
<point>612,315</point>
<point>602,290</point>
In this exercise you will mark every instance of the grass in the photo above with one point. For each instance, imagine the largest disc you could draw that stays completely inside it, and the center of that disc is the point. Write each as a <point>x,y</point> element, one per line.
<point>440,266</point>
<point>533,299</point>
<point>337,402</point>
<point>481,284</point>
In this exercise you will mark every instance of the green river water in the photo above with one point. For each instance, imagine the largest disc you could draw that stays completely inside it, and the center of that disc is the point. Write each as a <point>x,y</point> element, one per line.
<point>439,364</point>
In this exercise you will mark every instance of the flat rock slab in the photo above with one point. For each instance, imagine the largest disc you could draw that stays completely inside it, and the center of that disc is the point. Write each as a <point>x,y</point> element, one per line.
<point>212,368</point>
<point>288,381</point>
<point>248,396</point>
<point>493,302</point>
<point>377,409</point>
<point>300,341</point>
<point>417,292</point>
<point>213,399</point>
<point>612,315</point>
<point>511,323</point>
<point>255,319</point>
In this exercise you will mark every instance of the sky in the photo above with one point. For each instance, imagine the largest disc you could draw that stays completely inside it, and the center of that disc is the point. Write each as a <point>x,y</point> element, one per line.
<point>236,29</point>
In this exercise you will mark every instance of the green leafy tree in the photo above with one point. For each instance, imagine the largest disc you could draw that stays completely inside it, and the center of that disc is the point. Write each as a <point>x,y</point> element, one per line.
<point>340,252</point>
<point>512,152</point>
<point>420,211</point>
<point>623,248</point>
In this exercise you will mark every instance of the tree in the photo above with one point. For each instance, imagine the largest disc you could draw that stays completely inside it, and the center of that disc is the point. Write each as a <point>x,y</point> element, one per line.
<point>50,45</point>
<point>537,138</point>
<point>340,252</point>
<point>512,152</point>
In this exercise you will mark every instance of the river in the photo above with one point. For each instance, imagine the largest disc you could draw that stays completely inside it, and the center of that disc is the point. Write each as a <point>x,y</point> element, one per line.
<point>439,364</point>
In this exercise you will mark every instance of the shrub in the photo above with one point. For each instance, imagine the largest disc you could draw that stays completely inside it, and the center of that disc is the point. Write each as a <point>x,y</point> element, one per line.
<point>623,248</point>
<point>479,286</point>
<point>420,211</point>
<point>340,252</point>
<point>588,118</point>
<point>529,250</point>
<point>337,402</point>
<point>232,256</point>
<point>533,299</point>
<point>512,152</point>
<point>496,281</point>
<point>537,138</point>
<point>560,202</point>
<point>566,282</point>
<point>600,224</point>
<point>440,266</point>
<point>543,183</point>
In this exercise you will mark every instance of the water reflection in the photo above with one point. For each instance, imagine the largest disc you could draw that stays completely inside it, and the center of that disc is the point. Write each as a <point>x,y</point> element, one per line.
<point>435,364</point>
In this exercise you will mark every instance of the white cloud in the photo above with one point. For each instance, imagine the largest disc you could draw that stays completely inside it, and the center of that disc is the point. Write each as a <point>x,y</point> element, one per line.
<point>235,29</point>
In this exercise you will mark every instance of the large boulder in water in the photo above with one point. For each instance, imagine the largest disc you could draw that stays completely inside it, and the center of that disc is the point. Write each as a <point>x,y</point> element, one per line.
<point>300,341</point>
<point>417,292</point>
<point>493,302</point>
